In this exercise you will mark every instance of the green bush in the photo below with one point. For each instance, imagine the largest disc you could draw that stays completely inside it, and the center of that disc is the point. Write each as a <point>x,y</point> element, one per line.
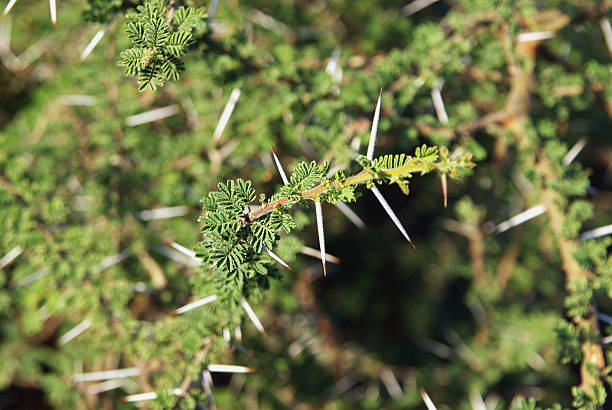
<point>131,174</point>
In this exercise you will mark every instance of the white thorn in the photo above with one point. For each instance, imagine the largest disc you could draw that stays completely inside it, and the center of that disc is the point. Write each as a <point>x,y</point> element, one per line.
<point>8,7</point>
<point>535,36</point>
<point>374,130</point>
<point>477,401</point>
<point>436,96</point>
<point>76,99</point>
<point>74,332</point>
<point>10,256</point>
<point>391,383</point>
<point>574,151</point>
<point>147,396</point>
<point>332,67</point>
<point>152,115</point>
<point>193,305</point>
<point>604,23</point>
<point>96,39</point>
<point>319,214</point>
<point>53,12</point>
<point>596,233</point>
<point>315,253</point>
<point>112,260</point>
<point>33,277</point>
<point>207,383</point>
<point>238,332</point>
<point>185,251</point>
<point>34,52</point>
<point>430,405</point>
<point>268,22</point>
<point>604,318</point>
<point>416,6</point>
<point>226,335</point>
<point>521,218</point>
<point>211,13</point>
<point>163,213</point>
<point>106,375</point>
<point>281,171</point>
<point>390,212</point>
<point>276,258</point>
<point>106,386</point>
<point>247,308</point>
<point>342,386</point>
<point>229,368</point>
<point>177,256</point>
<point>350,214</point>
<point>226,114</point>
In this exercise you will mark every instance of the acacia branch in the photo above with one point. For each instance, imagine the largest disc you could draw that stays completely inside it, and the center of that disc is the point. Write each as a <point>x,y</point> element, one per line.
<point>366,175</point>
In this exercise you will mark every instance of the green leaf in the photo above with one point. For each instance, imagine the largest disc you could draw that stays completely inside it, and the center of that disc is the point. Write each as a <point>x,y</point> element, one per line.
<point>391,161</point>
<point>171,68</point>
<point>220,222</point>
<point>263,234</point>
<point>136,33</point>
<point>307,175</point>
<point>187,18</point>
<point>156,32</point>
<point>133,60</point>
<point>227,255</point>
<point>149,77</point>
<point>177,42</point>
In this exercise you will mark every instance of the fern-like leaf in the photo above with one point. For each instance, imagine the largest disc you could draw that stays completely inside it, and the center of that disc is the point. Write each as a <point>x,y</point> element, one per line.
<point>391,161</point>
<point>220,222</point>
<point>429,154</point>
<point>156,32</point>
<point>186,19</point>
<point>263,235</point>
<point>307,175</point>
<point>136,33</point>
<point>177,42</point>
<point>133,60</point>
<point>149,76</point>
<point>171,68</point>
<point>227,255</point>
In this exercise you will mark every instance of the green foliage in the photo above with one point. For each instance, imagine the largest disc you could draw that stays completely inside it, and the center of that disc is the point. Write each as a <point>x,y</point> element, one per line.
<point>306,175</point>
<point>569,342</point>
<point>474,310</point>
<point>160,36</point>
<point>236,235</point>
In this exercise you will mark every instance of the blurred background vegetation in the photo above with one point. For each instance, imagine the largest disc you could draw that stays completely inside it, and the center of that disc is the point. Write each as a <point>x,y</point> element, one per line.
<point>477,315</point>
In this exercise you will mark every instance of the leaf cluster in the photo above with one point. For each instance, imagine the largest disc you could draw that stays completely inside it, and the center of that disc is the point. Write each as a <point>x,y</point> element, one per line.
<point>232,246</point>
<point>160,39</point>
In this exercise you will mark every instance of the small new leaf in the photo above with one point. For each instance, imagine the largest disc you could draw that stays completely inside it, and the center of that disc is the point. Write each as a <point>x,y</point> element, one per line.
<point>307,175</point>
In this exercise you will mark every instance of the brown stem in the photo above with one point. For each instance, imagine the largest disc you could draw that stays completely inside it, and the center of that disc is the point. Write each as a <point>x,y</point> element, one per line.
<point>359,178</point>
